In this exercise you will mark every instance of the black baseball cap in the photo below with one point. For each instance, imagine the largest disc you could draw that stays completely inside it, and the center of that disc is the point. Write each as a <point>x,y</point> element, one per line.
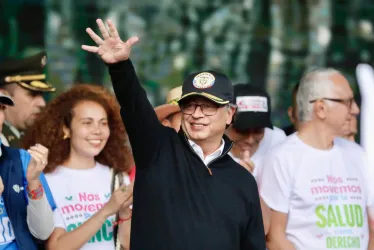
<point>212,85</point>
<point>5,99</point>
<point>254,107</point>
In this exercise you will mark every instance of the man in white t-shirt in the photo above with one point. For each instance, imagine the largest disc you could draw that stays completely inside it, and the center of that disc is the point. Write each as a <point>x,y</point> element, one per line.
<point>252,132</point>
<point>315,182</point>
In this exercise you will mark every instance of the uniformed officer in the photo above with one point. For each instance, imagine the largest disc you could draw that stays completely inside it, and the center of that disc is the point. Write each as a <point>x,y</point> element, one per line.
<point>26,83</point>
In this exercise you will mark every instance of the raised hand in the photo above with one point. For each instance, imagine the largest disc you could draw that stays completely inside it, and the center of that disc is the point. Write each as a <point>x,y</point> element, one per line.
<point>112,49</point>
<point>39,160</point>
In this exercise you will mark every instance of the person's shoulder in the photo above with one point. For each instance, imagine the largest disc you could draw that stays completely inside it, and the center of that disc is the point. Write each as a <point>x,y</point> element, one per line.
<point>13,154</point>
<point>243,182</point>
<point>240,175</point>
<point>286,146</point>
<point>284,154</point>
<point>12,149</point>
<point>345,144</point>
<point>57,173</point>
<point>10,152</point>
<point>277,135</point>
<point>102,168</point>
<point>279,132</point>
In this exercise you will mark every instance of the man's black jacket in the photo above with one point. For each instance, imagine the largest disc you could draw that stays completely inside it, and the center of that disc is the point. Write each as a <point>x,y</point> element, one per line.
<point>178,204</point>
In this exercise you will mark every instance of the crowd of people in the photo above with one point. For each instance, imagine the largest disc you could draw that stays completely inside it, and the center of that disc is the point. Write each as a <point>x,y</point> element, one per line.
<point>207,170</point>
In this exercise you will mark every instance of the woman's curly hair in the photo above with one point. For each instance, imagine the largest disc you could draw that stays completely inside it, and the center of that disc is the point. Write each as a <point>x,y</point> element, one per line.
<point>48,128</point>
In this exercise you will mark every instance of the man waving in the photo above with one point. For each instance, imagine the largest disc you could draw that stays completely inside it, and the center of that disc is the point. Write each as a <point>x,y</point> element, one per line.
<point>189,193</point>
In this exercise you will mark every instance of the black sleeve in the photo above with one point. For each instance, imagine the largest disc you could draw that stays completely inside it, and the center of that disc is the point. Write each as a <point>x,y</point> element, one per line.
<point>141,122</point>
<point>254,234</point>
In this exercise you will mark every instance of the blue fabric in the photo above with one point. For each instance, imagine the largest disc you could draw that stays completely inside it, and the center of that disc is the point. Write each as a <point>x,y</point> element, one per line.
<point>25,159</point>
<point>6,231</point>
<point>10,246</point>
<point>13,175</point>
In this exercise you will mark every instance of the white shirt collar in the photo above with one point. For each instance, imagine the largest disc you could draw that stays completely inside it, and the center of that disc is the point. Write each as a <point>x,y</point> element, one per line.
<point>210,157</point>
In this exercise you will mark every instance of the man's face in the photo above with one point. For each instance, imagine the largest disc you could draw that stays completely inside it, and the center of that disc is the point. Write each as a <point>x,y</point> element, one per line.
<point>352,129</point>
<point>204,120</point>
<point>27,105</point>
<point>340,113</point>
<point>245,140</point>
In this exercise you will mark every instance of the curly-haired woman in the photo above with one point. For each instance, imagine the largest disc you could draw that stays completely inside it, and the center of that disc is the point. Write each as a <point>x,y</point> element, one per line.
<point>87,149</point>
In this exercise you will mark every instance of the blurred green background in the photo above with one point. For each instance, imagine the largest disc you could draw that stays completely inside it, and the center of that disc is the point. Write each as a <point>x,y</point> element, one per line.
<point>269,43</point>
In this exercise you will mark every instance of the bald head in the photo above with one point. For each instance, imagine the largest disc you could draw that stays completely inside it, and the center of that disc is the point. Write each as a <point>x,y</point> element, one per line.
<point>314,85</point>
<point>341,85</point>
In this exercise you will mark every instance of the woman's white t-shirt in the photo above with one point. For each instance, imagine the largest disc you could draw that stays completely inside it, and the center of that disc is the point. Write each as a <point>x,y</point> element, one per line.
<point>79,194</point>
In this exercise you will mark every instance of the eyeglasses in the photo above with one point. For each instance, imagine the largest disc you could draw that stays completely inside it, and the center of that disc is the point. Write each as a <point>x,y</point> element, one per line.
<point>348,102</point>
<point>206,109</point>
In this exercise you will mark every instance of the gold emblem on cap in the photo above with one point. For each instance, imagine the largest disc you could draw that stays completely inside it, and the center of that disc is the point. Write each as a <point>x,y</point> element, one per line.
<point>39,84</point>
<point>203,80</point>
<point>44,61</point>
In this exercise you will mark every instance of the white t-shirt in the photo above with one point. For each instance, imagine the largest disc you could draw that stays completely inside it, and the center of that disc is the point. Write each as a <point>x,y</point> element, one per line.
<point>324,193</point>
<point>271,138</point>
<point>78,195</point>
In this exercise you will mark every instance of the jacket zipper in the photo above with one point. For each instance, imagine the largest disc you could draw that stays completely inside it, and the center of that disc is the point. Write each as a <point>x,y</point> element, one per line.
<point>207,166</point>
<point>219,157</point>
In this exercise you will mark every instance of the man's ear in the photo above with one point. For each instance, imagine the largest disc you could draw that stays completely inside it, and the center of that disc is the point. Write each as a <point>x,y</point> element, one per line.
<point>232,114</point>
<point>321,109</point>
